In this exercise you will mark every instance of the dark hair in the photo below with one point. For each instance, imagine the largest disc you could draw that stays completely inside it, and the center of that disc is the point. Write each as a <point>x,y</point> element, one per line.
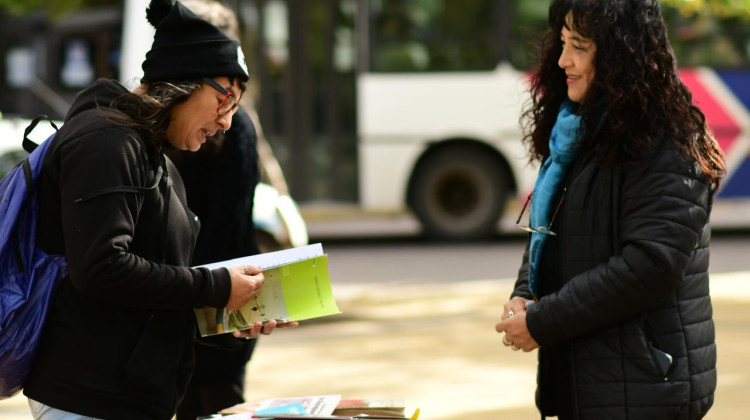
<point>636,96</point>
<point>150,112</point>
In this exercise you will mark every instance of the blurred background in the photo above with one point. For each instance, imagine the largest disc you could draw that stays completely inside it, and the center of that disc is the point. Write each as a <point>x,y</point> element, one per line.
<point>394,125</point>
<point>405,110</point>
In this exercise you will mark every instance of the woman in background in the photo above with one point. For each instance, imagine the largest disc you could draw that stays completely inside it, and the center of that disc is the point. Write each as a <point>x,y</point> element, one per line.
<point>220,181</point>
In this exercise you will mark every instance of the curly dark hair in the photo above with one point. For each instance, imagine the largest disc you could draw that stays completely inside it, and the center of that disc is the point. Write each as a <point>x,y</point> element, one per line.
<point>150,112</point>
<point>636,96</point>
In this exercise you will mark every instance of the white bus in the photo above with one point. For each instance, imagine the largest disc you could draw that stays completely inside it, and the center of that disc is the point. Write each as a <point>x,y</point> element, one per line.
<point>447,145</point>
<point>439,131</point>
<point>395,106</point>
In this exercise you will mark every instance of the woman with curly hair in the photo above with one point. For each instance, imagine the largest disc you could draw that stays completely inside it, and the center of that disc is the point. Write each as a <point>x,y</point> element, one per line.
<point>613,289</point>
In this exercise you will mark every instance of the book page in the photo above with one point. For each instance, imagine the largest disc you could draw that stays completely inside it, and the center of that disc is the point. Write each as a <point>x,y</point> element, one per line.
<point>271,259</point>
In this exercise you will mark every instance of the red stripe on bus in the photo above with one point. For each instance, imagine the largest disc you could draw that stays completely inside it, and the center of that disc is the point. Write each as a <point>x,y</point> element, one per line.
<point>725,128</point>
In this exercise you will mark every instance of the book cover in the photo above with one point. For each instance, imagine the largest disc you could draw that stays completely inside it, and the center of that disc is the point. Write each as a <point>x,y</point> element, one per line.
<point>371,407</point>
<point>297,287</point>
<point>317,405</point>
<point>296,409</point>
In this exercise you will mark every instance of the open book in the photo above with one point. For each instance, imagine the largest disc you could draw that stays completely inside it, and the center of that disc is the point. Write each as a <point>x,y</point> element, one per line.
<point>297,287</point>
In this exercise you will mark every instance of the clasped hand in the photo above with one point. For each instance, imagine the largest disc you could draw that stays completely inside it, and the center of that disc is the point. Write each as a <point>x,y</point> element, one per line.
<point>247,280</point>
<point>513,324</point>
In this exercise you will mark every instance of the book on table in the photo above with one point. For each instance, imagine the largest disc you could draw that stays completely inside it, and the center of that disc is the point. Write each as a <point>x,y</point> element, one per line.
<point>297,286</point>
<point>312,405</point>
<point>319,407</point>
<point>381,408</point>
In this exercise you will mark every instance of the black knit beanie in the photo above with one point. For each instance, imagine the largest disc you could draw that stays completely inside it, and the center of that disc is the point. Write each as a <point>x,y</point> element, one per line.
<point>187,47</point>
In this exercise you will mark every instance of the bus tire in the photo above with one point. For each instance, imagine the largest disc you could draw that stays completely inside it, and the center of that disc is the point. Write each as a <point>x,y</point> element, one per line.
<point>459,193</point>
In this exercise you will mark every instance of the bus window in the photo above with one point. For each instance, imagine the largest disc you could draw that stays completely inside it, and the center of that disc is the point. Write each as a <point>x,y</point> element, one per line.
<point>433,35</point>
<point>438,107</point>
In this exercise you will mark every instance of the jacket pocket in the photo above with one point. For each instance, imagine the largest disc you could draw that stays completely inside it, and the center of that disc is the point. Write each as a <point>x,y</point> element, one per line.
<point>645,360</point>
<point>662,361</point>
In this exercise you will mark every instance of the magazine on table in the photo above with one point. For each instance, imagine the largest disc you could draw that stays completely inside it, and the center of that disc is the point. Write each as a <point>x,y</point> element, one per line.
<point>317,405</point>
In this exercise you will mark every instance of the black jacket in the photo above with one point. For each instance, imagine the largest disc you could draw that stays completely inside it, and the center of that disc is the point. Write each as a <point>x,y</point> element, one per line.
<point>220,181</point>
<point>118,343</point>
<point>634,262</point>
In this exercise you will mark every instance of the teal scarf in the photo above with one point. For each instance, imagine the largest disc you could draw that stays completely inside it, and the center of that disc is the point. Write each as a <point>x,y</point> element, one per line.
<point>563,151</point>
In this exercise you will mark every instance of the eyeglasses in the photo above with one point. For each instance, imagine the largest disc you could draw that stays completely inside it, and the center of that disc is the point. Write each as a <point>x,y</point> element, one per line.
<point>540,229</point>
<point>230,102</point>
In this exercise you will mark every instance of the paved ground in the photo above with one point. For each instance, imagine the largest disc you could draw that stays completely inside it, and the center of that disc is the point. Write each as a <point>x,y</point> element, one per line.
<point>435,346</point>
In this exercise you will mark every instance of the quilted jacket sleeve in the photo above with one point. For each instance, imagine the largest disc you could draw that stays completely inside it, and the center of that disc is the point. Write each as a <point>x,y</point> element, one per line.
<point>521,287</point>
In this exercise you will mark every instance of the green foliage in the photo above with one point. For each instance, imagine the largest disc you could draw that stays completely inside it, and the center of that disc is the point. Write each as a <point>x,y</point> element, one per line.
<point>54,8</point>
<point>719,8</point>
<point>702,33</point>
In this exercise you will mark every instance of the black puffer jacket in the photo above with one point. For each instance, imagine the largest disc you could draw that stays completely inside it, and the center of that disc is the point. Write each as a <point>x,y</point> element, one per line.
<point>634,261</point>
<point>118,343</point>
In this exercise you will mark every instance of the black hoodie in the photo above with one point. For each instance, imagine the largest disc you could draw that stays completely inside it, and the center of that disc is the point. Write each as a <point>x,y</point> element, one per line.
<point>118,343</point>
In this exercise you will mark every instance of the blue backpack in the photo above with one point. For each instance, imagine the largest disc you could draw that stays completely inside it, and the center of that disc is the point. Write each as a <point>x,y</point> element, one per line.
<point>28,276</point>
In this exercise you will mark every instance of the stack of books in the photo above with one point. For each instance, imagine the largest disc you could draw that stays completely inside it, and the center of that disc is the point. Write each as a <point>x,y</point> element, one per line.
<point>322,407</point>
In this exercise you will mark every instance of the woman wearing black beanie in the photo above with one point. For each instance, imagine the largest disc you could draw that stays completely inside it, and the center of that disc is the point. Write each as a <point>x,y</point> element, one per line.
<point>118,342</point>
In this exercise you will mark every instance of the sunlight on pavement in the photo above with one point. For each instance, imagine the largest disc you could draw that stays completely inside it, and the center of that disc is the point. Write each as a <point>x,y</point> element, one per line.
<point>731,286</point>
<point>434,346</point>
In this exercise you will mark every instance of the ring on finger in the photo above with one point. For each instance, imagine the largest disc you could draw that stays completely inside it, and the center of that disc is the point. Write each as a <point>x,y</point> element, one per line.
<point>515,347</point>
<point>510,314</point>
<point>247,271</point>
<point>506,341</point>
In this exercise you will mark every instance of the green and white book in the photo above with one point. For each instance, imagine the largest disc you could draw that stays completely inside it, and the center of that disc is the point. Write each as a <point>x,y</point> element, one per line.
<point>297,287</point>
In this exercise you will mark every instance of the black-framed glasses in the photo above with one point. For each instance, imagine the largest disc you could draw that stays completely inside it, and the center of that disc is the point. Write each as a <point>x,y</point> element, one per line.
<point>230,102</point>
<point>547,230</point>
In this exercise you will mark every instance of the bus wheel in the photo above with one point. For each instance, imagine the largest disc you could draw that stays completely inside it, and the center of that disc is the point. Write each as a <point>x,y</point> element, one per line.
<point>459,194</point>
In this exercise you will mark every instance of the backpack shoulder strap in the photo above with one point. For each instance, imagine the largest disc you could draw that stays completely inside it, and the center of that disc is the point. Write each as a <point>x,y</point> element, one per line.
<point>17,189</point>
<point>28,144</point>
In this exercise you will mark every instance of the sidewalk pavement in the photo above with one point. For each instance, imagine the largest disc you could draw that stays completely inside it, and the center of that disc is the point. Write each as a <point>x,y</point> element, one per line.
<point>435,347</point>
